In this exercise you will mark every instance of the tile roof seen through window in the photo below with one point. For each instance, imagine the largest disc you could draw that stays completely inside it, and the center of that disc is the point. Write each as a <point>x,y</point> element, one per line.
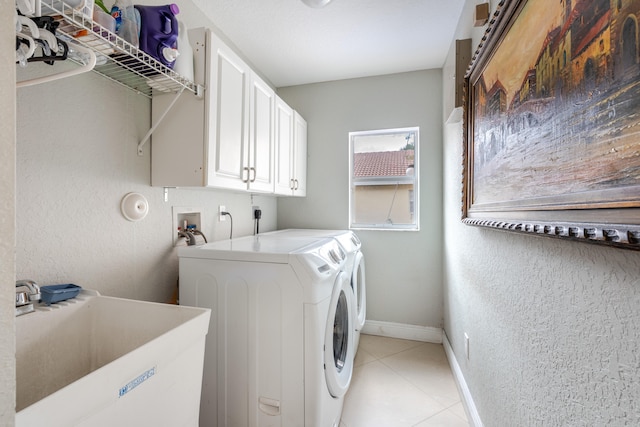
<point>383,163</point>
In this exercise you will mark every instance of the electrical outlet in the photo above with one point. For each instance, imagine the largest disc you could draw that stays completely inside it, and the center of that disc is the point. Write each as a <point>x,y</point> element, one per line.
<point>221,209</point>
<point>253,211</point>
<point>466,345</point>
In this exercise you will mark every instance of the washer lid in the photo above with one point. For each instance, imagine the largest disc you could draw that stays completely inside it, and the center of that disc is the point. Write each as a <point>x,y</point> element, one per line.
<point>262,248</point>
<point>347,238</point>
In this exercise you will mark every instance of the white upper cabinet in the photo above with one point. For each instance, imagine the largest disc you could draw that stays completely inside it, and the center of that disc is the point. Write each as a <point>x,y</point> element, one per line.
<point>291,149</point>
<point>240,114</point>
<point>229,137</point>
<point>227,100</point>
<point>284,148</point>
<point>262,150</point>
<point>299,166</point>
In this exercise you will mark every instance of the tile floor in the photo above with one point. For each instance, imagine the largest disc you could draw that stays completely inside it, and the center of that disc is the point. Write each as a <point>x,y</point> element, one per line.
<point>399,383</point>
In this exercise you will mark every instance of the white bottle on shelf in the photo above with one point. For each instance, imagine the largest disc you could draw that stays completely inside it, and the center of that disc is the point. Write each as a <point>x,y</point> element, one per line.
<point>127,25</point>
<point>184,62</point>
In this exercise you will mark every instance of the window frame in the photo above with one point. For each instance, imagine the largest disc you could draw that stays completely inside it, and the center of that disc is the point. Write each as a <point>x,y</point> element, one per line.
<point>386,180</point>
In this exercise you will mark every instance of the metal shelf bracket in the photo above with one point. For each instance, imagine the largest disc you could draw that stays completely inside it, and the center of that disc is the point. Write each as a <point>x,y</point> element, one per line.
<point>157,123</point>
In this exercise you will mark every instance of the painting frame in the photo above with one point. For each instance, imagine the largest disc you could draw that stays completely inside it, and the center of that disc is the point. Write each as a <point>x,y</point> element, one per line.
<point>549,140</point>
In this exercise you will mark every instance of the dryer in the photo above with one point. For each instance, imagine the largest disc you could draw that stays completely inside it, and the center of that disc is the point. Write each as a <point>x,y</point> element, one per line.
<point>354,266</point>
<point>280,347</point>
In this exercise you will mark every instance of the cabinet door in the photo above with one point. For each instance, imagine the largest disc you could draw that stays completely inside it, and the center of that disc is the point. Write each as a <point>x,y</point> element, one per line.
<point>300,156</point>
<point>284,148</point>
<point>261,136</point>
<point>228,112</point>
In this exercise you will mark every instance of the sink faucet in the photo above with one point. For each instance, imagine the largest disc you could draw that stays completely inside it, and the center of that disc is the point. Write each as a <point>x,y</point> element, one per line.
<point>27,292</point>
<point>191,239</point>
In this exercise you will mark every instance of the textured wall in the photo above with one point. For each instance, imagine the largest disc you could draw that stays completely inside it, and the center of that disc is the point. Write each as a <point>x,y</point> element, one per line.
<point>76,159</point>
<point>554,326</point>
<point>7,221</point>
<point>404,280</point>
<point>75,163</point>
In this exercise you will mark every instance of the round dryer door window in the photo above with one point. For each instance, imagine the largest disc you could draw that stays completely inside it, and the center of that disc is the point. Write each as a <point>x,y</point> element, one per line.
<point>339,351</point>
<point>359,290</point>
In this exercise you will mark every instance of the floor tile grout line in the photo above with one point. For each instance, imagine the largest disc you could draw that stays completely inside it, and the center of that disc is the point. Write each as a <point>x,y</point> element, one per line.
<point>410,384</point>
<point>434,415</point>
<point>448,404</point>
<point>417,344</point>
<point>413,385</point>
<point>420,343</point>
<point>416,385</point>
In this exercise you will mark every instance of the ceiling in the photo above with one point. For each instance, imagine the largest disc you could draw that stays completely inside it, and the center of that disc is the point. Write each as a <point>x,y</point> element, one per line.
<point>292,43</point>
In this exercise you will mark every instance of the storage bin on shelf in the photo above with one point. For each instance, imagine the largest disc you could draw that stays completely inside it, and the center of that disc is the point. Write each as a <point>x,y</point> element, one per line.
<point>119,60</point>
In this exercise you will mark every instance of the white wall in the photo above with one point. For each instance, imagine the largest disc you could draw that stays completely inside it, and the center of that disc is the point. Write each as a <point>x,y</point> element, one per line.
<point>404,279</point>
<point>76,160</point>
<point>7,222</point>
<point>554,326</point>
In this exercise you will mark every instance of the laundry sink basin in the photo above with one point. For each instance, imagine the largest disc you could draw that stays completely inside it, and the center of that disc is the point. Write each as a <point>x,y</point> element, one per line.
<point>103,361</point>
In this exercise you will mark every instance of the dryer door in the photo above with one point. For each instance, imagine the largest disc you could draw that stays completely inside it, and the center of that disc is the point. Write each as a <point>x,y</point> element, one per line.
<point>338,348</point>
<point>359,290</point>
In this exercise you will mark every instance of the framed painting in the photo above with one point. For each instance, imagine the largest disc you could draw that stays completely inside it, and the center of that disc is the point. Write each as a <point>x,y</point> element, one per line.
<point>552,122</point>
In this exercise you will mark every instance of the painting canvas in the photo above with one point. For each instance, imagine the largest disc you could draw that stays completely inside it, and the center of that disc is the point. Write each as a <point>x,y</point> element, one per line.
<point>552,121</point>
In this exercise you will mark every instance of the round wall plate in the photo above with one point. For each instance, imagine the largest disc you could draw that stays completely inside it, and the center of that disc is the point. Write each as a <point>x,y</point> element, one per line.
<point>134,206</point>
<point>316,3</point>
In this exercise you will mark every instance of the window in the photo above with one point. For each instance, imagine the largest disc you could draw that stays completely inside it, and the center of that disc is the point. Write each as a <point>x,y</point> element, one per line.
<point>383,169</point>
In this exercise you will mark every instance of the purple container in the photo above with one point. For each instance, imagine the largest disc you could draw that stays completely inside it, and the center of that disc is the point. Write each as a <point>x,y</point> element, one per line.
<point>159,32</point>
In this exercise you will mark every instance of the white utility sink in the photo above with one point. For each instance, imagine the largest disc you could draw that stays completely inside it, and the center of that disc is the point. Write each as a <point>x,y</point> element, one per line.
<point>101,361</point>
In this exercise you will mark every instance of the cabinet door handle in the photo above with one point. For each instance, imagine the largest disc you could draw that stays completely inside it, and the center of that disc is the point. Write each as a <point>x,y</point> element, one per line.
<point>254,174</point>
<point>245,169</point>
<point>296,181</point>
<point>291,184</point>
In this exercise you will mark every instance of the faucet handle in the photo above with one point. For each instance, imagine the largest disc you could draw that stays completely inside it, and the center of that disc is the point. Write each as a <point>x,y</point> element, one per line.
<point>34,289</point>
<point>22,298</point>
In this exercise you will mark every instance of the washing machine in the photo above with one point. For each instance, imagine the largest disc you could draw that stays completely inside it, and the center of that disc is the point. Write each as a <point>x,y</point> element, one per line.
<point>280,347</point>
<point>353,266</point>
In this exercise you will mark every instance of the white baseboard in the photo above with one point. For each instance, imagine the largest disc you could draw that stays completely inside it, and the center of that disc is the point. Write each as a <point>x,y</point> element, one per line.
<point>465,393</point>
<point>403,331</point>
